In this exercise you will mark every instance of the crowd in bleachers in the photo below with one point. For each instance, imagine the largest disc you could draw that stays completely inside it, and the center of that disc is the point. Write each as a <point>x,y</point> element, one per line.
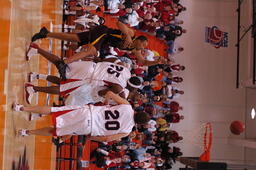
<point>159,18</point>
<point>151,145</point>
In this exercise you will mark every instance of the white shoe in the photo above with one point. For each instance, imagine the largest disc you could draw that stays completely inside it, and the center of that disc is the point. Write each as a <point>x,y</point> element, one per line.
<point>29,90</point>
<point>33,116</point>
<point>23,132</point>
<point>66,12</point>
<point>17,107</point>
<point>85,164</point>
<point>65,48</point>
<point>112,51</point>
<point>32,76</point>
<point>32,50</point>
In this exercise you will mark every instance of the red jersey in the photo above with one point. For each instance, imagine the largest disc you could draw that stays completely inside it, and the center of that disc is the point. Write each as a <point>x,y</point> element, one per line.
<point>174,106</point>
<point>175,117</point>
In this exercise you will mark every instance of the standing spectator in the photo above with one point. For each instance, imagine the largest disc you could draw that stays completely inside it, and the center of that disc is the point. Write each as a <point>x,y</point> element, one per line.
<point>175,106</point>
<point>173,118</point>
<point>177,67</point>
<point>173,48</point>
<point>174,92</point>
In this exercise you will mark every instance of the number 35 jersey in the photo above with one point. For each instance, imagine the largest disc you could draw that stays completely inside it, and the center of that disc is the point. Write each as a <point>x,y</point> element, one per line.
<point>111,72</point>
<point>110,120</point>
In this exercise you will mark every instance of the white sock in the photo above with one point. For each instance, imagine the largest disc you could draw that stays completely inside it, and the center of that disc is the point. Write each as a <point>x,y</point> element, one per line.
<point>42,76</point>
<point>108,162</point>
<point>102,151</point>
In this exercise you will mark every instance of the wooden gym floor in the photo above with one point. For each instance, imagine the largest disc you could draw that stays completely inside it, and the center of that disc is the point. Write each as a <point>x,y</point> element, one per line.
<point>20,19</point>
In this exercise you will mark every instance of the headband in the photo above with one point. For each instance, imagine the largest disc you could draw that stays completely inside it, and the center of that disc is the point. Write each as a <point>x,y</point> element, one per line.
<point>133,85</point>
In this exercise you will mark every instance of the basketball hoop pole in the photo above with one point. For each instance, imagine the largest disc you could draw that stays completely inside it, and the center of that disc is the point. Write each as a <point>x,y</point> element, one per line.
<point>188,161</point>
<point>195,163</point>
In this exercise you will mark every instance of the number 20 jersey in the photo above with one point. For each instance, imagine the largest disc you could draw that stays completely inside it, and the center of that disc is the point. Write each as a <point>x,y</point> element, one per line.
<point>110,120</point>
<point>111,72</point>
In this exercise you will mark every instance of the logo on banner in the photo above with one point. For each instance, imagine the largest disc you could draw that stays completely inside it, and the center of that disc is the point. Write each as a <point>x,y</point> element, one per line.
<point>216,37</point>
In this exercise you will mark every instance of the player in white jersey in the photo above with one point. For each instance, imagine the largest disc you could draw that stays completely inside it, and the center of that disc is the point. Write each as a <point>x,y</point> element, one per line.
<point>103,123</point>
<point>112,69</point>
<point>81,74</point>
<point>88,93</point>
<point>111,72</point>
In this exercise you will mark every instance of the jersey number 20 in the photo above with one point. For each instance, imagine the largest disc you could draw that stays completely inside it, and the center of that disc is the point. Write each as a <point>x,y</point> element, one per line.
<point>111,117</point>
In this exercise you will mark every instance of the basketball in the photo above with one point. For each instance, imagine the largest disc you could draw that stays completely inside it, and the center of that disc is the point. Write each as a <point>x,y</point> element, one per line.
<point>237,127</point>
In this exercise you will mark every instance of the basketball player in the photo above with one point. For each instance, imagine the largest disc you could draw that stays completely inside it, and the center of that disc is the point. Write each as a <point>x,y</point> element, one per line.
<point>102,37</point>
<point>93,94</point>
<point>88,93</point>
<point>102,123</point>
<point>83,74</point>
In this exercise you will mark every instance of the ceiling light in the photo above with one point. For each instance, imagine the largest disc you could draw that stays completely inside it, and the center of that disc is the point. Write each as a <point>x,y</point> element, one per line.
<point>253,113</point>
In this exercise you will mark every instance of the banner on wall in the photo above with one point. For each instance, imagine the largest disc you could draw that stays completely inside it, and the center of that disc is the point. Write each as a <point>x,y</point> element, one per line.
<point>216,37</point>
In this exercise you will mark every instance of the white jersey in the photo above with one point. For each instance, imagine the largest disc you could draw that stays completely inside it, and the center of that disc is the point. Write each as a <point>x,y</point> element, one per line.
<point>133,19</point>
<point>72,120</point>
<point>88,94</point>
<point>85,94</point>
<point>111,72</point>
<point>102,71</point>
<point>126,93</point>
<point>110,120</point>
<point>80,70</point>
<point>86,78</point>
<point>113,6</point>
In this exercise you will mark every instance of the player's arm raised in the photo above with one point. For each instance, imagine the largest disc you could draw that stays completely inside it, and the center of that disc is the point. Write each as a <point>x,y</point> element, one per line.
<point>116,98</point>
<point>125,29</point>
<point>89,50</point>
<point>108,138</point>
<point>128,33</point>
<point>115,88</point>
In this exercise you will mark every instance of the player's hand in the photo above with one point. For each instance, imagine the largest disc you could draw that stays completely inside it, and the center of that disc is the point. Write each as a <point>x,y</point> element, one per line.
<point>107,97</point>
<point>106,101</point>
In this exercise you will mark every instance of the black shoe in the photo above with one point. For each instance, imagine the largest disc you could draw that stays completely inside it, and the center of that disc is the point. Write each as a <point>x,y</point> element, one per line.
<point>93,154</point>
<point>61,66</point>
<point>98,9</point>
<point>56,142</point>
<point>41,34</point>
